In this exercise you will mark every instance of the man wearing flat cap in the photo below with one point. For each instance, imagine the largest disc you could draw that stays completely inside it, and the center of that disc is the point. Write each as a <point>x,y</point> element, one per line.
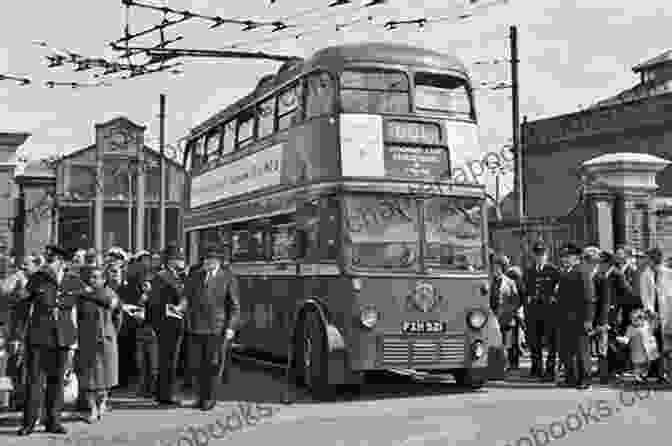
<point>576,306</point>
<point>212,304</point>
<point>541,313</point>
<point>50,335</point>
<point>165,316</point>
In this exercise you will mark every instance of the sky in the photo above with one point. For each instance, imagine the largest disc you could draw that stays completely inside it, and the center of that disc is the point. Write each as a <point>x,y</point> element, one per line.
<point>572,53</point>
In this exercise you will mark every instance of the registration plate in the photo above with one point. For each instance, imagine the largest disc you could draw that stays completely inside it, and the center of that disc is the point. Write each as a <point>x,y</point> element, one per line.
<point>420,327</point>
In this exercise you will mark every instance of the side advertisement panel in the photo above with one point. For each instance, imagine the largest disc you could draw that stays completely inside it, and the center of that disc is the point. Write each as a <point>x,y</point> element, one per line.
<point>259,170</point>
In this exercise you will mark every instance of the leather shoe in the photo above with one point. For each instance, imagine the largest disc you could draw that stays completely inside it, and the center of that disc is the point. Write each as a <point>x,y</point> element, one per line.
<point>56,429</point>
<point>208,405</point>
<point>26,430</point>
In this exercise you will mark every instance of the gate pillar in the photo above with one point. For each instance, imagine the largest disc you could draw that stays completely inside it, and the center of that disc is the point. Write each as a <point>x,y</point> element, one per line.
<point>619,189</point>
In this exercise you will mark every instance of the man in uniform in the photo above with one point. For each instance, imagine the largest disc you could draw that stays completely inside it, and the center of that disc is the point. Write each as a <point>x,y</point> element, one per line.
<point>213,312</point>
<point>540,310</point>
<point>165,317</point>
<point>50,334</point>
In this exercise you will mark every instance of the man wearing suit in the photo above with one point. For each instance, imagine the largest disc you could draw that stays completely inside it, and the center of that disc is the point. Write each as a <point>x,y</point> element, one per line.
<point>576,292</point>
<point>540,311</point>
<point>165,317</point>
<point>212,304</point>
<point>50,334</point>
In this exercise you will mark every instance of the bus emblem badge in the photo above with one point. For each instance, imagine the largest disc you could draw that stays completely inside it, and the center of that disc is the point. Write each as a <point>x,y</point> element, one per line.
<point>424,298</point>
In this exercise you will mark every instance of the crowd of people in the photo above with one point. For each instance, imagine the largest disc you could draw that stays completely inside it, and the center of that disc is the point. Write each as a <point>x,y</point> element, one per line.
<point>112,322</point>
<point>613,306</point>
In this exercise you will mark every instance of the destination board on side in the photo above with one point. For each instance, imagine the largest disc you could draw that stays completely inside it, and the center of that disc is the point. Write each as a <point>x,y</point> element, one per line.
<point>257,171</point>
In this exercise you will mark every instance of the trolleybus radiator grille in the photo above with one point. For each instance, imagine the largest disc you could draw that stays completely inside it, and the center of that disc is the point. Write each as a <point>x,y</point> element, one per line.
<point>418,352</point>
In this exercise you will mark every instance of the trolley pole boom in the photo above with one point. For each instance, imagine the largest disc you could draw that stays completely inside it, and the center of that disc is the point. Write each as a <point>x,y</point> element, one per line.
<point>172,53</point>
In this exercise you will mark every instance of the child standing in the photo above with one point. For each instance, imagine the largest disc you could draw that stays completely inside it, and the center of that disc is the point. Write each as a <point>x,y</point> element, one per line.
<point>643,348</point>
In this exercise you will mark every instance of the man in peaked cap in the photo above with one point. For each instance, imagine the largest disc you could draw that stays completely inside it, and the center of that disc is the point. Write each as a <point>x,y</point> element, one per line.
<point>50,335</point>
<point>165,316</point>
<point>540,310</point>
<point>212,303</point>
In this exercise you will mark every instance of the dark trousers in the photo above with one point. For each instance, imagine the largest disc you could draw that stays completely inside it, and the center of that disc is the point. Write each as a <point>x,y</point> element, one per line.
<point>577,358</point>
<point>127,353</point>
<point>147,363</point>
<point>44,362</point>
<point>169,337</point>
<point>542,327</point>
<point>205,359</point>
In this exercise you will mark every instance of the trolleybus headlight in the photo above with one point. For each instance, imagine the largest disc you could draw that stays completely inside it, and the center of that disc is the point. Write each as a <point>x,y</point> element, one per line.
<point>477,350</point>
<point>476,319</point>
<point>357,284</point>
<point>369,317</point>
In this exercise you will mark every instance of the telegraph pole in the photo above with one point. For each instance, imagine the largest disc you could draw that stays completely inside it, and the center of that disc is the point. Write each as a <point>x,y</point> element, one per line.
<point>515,109</point>
<point>162,168</point>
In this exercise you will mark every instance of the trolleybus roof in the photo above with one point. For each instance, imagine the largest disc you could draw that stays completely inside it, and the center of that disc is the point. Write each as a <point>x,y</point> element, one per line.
<point>336,57</point>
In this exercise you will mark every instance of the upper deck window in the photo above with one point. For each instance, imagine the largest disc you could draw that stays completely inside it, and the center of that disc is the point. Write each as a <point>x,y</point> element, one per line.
<point>266,112</point>
<point>320,94</point>
<point>289,106</point>
<point>198,153</point>
<point>374,91</point>
<point>245,128</point>
<point>212,145</point>
<point>442,93</point>
<point>229,137</point>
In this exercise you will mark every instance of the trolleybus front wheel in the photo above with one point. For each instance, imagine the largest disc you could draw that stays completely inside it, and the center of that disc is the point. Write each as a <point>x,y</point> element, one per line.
<point>465,379</point>
<point>312,361</point>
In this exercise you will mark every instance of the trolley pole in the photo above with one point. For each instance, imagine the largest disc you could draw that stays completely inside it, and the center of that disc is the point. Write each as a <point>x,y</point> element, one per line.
<point>162,168</point>
<point>515,110</point>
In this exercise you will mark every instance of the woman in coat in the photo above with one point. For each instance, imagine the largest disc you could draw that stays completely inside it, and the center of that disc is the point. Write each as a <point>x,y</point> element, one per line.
<point>655,290</point>
<point>98,345</point>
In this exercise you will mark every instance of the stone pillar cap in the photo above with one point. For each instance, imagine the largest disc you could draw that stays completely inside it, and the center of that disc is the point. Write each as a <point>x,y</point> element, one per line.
<point>622,171</point>
<point>627,158</point>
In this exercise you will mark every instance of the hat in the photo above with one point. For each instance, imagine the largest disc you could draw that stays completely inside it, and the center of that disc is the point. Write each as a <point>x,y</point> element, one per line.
<point>570,249</point>
<point>140,254</point>
<point>58,251</point>
<point>539,247</point>
<point>592,253</point>
<point>172,252</point>
<point>655,254</point>
<point>117,253</point>
<point>501,260</point>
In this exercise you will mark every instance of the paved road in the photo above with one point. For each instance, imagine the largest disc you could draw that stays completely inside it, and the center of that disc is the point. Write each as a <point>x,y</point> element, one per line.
<point>394,411</point>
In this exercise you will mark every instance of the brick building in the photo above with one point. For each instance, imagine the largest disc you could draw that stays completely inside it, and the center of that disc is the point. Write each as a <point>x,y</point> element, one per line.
<point>61,195</point>
<point>638,120</point>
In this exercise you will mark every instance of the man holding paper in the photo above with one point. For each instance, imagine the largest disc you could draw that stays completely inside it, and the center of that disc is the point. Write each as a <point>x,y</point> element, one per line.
<point>212,305</point>
<point>165,316</point>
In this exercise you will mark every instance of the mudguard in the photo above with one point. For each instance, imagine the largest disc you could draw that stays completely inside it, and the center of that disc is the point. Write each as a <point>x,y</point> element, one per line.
<point>336,348</point>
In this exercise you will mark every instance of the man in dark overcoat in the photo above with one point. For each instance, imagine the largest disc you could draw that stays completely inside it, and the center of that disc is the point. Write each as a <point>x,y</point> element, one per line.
<point>50,335</point>
<point>212,303</point>
<point>576,310</point>
<point>165,317</point>
<point>541,313</point>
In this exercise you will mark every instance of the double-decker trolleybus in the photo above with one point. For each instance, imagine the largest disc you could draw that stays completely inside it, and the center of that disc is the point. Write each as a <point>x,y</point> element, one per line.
<point>355,251</point>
